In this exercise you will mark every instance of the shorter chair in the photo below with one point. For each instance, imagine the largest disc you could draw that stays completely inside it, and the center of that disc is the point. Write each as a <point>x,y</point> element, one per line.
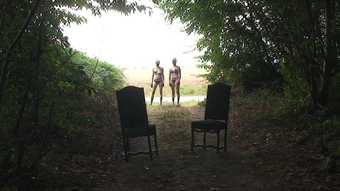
<point>215,117</point>
<point>134,119</point>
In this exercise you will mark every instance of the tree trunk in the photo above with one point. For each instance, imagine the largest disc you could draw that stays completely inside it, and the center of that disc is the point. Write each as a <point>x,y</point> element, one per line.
<point>331,55</point>
<point>35,89</point>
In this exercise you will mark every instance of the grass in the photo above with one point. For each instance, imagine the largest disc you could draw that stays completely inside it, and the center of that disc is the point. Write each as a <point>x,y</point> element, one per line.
<point>192,103</point>
<point>186,90</point>
<point>191,84</point>
<point>197,89</point>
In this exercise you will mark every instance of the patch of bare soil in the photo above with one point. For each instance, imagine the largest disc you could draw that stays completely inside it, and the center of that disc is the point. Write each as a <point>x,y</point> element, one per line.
<point>262,155</point>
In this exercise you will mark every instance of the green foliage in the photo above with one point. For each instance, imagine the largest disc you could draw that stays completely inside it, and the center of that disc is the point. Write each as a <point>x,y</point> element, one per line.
<point>48,92</point>
<point>249,42</point>
<point>296,92</point>
<point>233,46</point>
<point>193,89</point>
<point>103,75</point>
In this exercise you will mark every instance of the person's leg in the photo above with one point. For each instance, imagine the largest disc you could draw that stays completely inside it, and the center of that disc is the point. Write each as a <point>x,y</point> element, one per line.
<point>153,93</point>
<point>178,92</point>
<point>172,92</point>
<point>161,93</point>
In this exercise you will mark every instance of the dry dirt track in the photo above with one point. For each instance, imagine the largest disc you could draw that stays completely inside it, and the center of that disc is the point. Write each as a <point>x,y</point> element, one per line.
<point>177,168</point>
<point>262,156</point>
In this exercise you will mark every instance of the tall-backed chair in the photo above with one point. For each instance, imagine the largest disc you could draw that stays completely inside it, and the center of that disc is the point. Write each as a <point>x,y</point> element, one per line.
<point>134,119</point>
<point>215,117</point>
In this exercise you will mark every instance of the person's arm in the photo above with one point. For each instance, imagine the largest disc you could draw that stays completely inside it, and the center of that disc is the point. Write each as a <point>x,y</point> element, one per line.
<point>152,78</point>
<point>163,75</point>
<point>169,77</point>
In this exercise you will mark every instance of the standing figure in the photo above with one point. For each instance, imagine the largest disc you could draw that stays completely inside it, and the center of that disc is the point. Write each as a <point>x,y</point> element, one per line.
<point>175,80</point>
<point>157,80</point>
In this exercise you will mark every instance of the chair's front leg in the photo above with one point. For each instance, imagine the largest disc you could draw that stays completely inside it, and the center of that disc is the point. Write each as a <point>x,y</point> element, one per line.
<point>192,139</point>
<point>205,139</point>
<point>150,149</point>
<point>156,144</point>
<point>126,147</point>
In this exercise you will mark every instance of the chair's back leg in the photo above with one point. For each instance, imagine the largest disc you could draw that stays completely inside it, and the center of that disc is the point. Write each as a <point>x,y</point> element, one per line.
<point>218,141</point>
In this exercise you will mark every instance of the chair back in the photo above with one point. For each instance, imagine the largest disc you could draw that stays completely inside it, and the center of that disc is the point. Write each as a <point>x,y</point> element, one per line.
<point>217,103</point>
<point>132,107</point>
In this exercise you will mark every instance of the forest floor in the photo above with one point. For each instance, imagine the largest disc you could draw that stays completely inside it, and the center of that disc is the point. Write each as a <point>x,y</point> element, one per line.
<point>263,154</point>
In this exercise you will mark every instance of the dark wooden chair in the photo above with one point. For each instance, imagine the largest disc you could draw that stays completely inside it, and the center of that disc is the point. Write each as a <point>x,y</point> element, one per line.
<point>134,119</point>
<point>215,117</point>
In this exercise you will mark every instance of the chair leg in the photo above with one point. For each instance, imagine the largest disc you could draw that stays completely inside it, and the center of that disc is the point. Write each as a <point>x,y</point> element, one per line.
<point>225,140</point>
<point>126,147</point>
<point>156,144</point>
<point>205,139</point>
<point>218,141</point>
<point>150,149</point>
<point>192,139</point>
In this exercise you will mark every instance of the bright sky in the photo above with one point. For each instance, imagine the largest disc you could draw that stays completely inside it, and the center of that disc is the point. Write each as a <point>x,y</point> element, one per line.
<point>134,41</point>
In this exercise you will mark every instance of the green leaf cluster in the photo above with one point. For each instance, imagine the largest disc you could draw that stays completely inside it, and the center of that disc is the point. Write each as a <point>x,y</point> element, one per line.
<point>267,43</point>
<point>48,91</point>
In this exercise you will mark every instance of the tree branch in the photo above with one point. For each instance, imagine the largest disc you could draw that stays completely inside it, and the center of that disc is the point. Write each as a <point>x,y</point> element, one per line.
<point>4,70</point>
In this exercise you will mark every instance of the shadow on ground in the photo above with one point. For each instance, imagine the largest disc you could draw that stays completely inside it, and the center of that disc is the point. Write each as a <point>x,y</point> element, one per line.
<point>248,164</point>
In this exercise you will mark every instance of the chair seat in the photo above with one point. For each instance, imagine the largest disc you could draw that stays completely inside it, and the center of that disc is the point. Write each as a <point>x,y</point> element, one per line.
<point>140,132</point>
<point>208,124</point>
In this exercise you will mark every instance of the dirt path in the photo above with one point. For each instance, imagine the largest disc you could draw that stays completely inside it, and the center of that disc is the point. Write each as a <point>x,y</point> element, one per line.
<point>179,169</point>
<point>262,156</point>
